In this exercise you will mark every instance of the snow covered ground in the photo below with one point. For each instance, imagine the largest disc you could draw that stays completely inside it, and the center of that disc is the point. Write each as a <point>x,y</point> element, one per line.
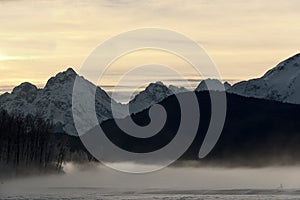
<point>110,194</point>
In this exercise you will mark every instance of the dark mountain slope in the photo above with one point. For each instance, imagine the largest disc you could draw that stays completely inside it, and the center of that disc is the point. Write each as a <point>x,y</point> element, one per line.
<point>257,132</point>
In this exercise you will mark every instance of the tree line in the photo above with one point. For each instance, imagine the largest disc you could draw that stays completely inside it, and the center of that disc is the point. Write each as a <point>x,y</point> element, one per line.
<point>28,145</point>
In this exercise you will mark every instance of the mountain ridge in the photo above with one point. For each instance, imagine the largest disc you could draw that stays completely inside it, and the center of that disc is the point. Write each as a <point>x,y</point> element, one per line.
<point>54,101</point>
<point>281,83</point>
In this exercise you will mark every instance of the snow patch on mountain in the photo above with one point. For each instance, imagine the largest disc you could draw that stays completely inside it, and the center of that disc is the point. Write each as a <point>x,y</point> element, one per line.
<point>282,83</point>
<point>177,90</point>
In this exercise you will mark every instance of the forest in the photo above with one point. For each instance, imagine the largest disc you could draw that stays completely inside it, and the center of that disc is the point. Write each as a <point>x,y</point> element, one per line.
<point>28,146</point>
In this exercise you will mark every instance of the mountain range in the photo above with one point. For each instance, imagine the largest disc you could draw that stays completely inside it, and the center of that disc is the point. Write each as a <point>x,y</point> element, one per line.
<point>54,101</point>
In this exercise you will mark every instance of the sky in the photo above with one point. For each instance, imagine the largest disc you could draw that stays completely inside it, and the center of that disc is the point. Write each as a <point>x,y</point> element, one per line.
<point>244,38</point>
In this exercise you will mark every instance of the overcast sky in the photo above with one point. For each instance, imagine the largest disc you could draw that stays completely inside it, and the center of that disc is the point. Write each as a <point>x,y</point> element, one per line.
<point>244,38</point>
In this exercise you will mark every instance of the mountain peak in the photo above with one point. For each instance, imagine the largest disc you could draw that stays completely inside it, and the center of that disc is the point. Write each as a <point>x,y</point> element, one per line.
<point>157,84</point>
<point>215,85</point>
<point>25,90</point>
<point>157,87</point>
<point>62,78</point>
<point>153,93</point>
<point>287,68</point>
<point>70,71</point>
<point>282,83</point>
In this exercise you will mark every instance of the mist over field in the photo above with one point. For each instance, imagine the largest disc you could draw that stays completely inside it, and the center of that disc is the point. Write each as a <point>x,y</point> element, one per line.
<point>174,178</point>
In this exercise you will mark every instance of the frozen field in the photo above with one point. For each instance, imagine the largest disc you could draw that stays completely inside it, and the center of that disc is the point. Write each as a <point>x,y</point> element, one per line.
<point>110,194</point>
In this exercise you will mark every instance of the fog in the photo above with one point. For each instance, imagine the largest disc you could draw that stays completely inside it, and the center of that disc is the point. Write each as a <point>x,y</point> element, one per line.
<point>175,178</point>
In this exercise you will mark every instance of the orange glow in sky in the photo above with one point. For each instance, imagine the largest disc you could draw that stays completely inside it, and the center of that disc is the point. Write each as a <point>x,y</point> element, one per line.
<point>244,38</point>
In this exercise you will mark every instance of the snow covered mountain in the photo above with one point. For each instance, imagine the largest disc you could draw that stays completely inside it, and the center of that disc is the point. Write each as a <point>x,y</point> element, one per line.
<point>282,83</point>
<point>54,101</point>
<point>153,93</point>
<point>215,85</point>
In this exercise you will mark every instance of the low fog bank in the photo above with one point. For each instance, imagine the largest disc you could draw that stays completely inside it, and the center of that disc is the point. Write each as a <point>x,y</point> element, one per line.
<point>172,178</point>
